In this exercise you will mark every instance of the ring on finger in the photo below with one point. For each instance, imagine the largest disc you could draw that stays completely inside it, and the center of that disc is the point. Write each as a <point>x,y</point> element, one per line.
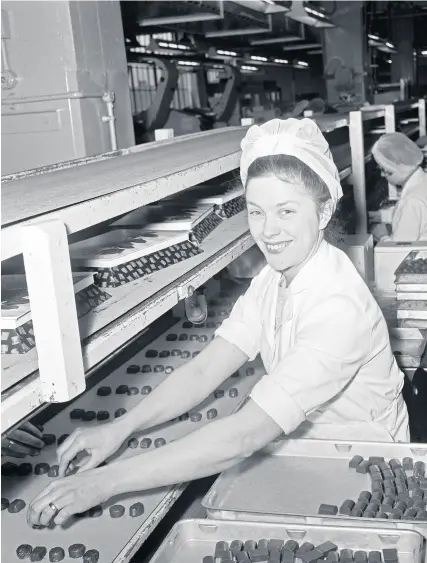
<point>54,508</point>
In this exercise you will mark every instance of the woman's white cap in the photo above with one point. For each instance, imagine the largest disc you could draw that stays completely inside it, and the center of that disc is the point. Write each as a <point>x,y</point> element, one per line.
<point>301,138</point>
<point>397,153</point>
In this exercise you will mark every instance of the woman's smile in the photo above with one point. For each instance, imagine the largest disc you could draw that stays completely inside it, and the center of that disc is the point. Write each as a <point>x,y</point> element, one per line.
<point>277,247</point>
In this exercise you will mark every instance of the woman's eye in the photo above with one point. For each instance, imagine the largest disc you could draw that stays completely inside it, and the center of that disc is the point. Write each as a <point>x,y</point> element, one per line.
<point>254,213</point>
<point>286,212</point>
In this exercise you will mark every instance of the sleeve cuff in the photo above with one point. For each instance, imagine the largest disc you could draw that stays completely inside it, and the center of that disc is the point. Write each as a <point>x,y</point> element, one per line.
<point>238,334</point>
<point>278,404</point>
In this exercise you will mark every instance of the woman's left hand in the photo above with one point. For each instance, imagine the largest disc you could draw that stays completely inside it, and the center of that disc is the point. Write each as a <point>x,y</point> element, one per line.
<point>69,496</point>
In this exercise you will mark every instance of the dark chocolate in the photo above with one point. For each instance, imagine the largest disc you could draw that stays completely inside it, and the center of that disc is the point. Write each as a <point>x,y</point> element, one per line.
<point>146,390</point>
<point>41,468</point>
<point>117,511</point>
<point>145,443</point>
<point>76,550</point>
<point>102,415</point>
<point>24,551</point>
<point>136,510</point>
<point>88,416</point>
<point>211,414</point>
<point>132,369</point>
<point>133,443</point>
<point>96,511</point>
<point>77,414</point>
<point>24,469</point>
<point>53,471</point>
<point>38,553</point>
<point>56,554</point>
<point>159,442</point>
<point>49,439</point>
<point>105,391</point>
<point>91,556</point>
<point>119,412</point>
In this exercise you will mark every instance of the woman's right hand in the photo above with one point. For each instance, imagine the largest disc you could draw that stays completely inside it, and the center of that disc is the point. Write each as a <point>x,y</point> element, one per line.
<point>97,443</point>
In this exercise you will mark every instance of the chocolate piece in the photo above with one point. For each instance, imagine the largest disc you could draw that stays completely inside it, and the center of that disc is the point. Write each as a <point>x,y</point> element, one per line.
<point>49,439</point>
<point>24,469</point>
<point>208,559</point>
<point>145,443</point>
<point>38,553</point>
<point>132,369</point>
<point>262,544</point>
<point>390,555</point>
<point>357,512</point>
<point>56,554</point>
<point>187,324</point>
<point>328,509</point>
<point>374,506</point>
<point>403,495</point>
<point>117,511</point>
<point>396,514</point>
<point>221,546</point>
<point>133,391</point>
<point>91,556</point>
<point>382,515</point>
<point>121,390</point>
<point>76,414</point>
<point>419,469</point>
<point>312,556</point>
<point>333,557</point>
<point>96,511</point>
<point>102,415</point>
<point>164,354</point>
<point>250,371</point>
<point>194,337</point>
<point>76,550</point>
<point>120,412</point>
<point>133,443</point>
<point>236,545</point>
<point>233,392</point>
<point>218,394</point>
<point>346,556</point>
<point>195,417</point>
<point>421,515</point>
<point>275,544</point>
<point>410,513</point>
<point>62,438</point>
<point>257,555</point>
<point>176,352</point>
<point>170,369</point>
<point>355,461</point>
<point>151,354</point>
<point>105,391</point>
<point>388,474</point>
<point>400,505</point>
<point>171,337</point>
<point>184,416</point>
<point>304,548</point>
<point>158,369</point>
<point>374,557</point>
<point>407,463</point>
<point>24,551</point>
<point>394,464</point>
<point>369,514</point>
<point>194,354</point>
<point>360,557</point>
<point>183,337</point>
<point>146,368</point>
<point>146,390</point>
<point>159,442</point>
<point>363,467</point>
<point>8,469</point>
<point>376,460</point>
<point>326,547</point>
<point>249,545</point>
<point>88,416</point>
<point>365,495</point>
<point>291,545</point>
<point>287,556</point>
<point>136,510</point>
<point>41,468</point>
<point>377,496</point>
<point>203,338</point>
<point>418,504</point>
<point>53,471</point>
<point>211,414</point>
<point>361,504</point>
<point>185,354</point>
<point>4,503</point>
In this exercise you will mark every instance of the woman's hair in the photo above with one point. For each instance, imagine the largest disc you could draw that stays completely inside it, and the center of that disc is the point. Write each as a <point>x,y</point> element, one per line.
<point>293,171</point>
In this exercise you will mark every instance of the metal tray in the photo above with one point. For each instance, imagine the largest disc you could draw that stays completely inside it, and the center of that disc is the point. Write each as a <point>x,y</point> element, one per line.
<point>408,341</point>
<point>191,540</point>
<point>288,480</point>
<point>407,277</point>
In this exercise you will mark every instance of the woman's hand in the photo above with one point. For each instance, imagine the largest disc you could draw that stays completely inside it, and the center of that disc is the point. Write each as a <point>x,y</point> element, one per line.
<point>65,497</point>
<point>23,441</point>
<point>97,443</point>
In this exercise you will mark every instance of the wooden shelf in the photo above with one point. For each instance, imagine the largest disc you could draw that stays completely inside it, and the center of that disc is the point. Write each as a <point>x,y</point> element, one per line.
<point>133,306</point>
<point>85,195</point>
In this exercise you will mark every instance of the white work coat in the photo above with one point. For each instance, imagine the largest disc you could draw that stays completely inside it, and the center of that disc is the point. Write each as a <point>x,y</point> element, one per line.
<point>409,221</point>
<point>330,370</point>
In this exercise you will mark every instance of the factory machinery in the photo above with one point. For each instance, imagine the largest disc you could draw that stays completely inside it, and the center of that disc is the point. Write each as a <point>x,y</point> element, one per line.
<point>106,336</point>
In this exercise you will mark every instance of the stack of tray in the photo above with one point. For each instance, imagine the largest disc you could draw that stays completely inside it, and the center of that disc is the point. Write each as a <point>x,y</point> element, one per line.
<point>408,345</point>
<point>228,200</point>
<point>120,256</point>
<point>17,334</point>
<point>411,291</point>
<point>197,219</point>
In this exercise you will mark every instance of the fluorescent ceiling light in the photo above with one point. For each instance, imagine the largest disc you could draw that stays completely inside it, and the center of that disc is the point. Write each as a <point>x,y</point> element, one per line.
<point>374,37</point>
<point>315,13</point>
<point>272,40</point>
<point>389,44</point>
<point>301,47</point>
<point>388,61</point>
<point>246,67</point>
<point>226,53</point>
<point>424,53</point>
<point>176,46</point>
<point>302,63</point>
<point>281,61</point>
<point>188,63</point>
<point>256,58</point>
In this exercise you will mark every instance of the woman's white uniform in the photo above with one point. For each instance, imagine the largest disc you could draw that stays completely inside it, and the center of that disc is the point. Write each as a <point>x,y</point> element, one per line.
<point>409,221</point>
<point>330,370</point>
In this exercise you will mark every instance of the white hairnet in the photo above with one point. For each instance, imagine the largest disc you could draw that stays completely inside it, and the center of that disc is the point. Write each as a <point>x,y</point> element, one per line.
<point>397,152</point>
<point>301,138</point>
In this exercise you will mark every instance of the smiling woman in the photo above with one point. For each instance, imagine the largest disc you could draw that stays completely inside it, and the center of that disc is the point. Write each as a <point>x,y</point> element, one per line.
<point>330,371</point>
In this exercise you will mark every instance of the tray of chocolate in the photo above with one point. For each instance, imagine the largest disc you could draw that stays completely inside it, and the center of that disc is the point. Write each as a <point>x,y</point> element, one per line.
<point>413,269</point>
<point>230,200</point>
<point>122,255</point>
<point>17,335</point>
